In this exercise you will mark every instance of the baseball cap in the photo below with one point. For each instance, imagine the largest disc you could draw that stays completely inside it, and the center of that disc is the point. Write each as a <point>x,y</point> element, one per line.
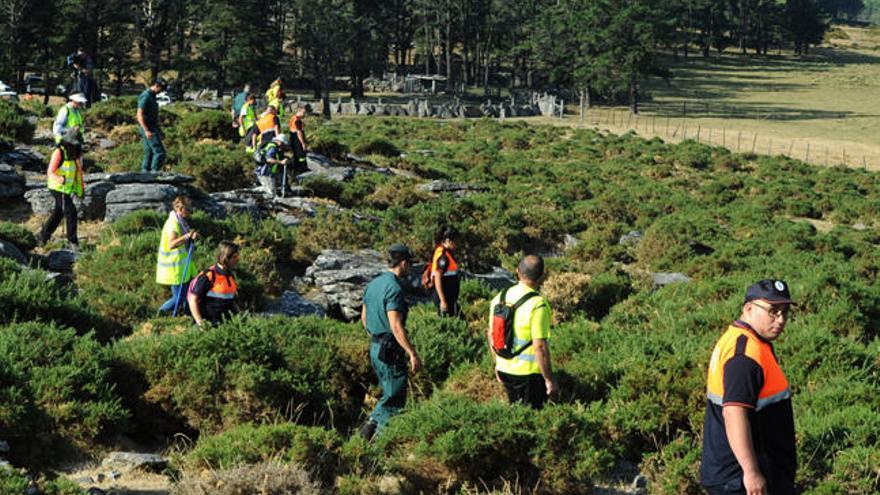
<point>78,97</point>
<point>772,291</point>
<point>399,252</point>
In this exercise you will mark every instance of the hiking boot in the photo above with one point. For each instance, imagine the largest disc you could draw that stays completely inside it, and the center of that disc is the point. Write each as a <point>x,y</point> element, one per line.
<point>368,429</point>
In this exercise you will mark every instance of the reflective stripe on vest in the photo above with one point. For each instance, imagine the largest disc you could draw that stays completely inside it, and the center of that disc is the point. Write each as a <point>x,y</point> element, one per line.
<point>67,170</point>
<point>775,388</point>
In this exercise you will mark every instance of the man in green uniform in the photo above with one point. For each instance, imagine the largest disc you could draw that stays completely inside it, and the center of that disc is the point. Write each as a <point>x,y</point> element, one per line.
<point>384,317</point>
<point>148,128</point>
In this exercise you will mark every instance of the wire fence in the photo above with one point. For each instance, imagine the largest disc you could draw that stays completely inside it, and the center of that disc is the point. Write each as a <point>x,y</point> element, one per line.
<point>690,121</point>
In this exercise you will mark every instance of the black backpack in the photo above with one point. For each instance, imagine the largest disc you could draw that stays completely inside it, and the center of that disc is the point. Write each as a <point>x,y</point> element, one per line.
<point>502,326</point>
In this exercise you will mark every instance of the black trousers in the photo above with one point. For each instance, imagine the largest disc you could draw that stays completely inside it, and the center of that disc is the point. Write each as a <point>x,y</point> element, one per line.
<point>736,488</point>
<point>63,208</point>
<point>451,286</point>
<point>528,389</point>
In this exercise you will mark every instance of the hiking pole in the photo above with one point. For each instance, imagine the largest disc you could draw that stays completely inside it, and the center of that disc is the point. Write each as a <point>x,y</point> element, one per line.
<point>183,282</point>
<point>284,180</point>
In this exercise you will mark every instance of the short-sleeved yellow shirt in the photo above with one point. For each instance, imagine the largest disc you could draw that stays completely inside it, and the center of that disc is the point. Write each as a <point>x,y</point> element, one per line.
<point>531,321</point>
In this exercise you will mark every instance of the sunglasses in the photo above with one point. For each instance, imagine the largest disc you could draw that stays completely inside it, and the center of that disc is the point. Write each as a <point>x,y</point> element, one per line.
<point>775,311</point>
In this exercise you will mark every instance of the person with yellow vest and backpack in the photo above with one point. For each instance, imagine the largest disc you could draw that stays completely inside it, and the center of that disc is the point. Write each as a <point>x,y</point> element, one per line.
<point>519,334</point>
<point>748,432</point>
<point>212,293</point>
<point>70,117</point>
<point>64,179</point>
<point>173,267</point>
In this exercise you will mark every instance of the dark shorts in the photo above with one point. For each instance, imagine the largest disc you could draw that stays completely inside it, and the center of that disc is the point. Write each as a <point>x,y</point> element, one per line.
<point>528,389</point>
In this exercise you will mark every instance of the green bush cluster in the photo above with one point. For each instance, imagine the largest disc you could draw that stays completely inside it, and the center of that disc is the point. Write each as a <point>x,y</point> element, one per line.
<point>56,390</point>
<point>206,124</point>
<point>312,446</point>
<point>308,370</point>
<point>23,238</point>
<point>106,115</point>
<point>15,483</point>
<point>14,127</point>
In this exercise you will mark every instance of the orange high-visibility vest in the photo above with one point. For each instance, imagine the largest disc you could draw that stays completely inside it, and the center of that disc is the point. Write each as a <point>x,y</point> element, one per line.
<point>222,286</point>
<point>451,268</point>
<point>738,340</point>
<point>266,122</point>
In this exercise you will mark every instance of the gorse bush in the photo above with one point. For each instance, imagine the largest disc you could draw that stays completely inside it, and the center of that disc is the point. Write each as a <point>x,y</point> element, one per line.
<point>106,115</point>
<point>23,238</point>
<point>56,390</point>
<point>206,124</point>
<point>312,446</point>
<point>216,167</point>
<point>14,127</point>
<point>249,369</point>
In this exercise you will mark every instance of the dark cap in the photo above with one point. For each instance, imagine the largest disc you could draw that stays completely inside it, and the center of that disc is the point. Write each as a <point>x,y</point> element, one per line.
<point>772,291</point>
<point>399,252</point>
<point>160,82</point>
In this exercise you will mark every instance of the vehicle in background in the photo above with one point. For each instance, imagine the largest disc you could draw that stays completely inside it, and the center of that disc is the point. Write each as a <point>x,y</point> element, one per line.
<point>163,99</point>
<point>33,84</point>
<point>9,96</point>
<point>5,87</point>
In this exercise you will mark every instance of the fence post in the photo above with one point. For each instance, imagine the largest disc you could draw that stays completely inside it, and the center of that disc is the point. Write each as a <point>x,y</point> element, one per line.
<point>698,132</point>
<point>754,143</point>
<point>739,136</point>
<point>807,157</point>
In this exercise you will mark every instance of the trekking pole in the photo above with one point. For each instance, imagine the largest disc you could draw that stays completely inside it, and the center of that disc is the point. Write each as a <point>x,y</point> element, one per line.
<point>284,180</point>
<point>189,253</point>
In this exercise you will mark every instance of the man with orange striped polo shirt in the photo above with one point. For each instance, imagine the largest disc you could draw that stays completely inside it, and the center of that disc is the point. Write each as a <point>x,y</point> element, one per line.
<point>748,432</point>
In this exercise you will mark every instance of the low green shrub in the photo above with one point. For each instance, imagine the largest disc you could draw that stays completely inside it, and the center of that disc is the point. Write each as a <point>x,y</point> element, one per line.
<point>56,390</point>
<point>14,127</point>
<point>379,147</point>
<point>124,158</point>
<point>206,124</point>
<point>23,238</point>
<point>105,115</point>
<point>15,483</point>
<point>443,344</point>
<point>216,167</point>
<point>314,447</point>
<point>27,295</point>
<point>674,470</point>
<point>328,147</point>
<point>306,369</point>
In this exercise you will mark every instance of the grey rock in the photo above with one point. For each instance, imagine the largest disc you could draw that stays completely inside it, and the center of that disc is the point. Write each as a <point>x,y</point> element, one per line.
<point>288,220</point>
<point>61,261</point>
<point>8,250</point>
<point>630,239</point>
<point>95,491</point>
<point>94,201</point>
<point>114,475</point>
<point>859,226</point>
<point>26,158</point>
<point>41,201</point>
<point>4,464</point>
<point>84,480</point>
<point>569,241</point>
<point>321,166</point>
<point>210,105</point>
<point>412,108</point>
<point>292,304</point>
<point>662,279</point>
<point>148,178</point>
<point>106,144</point>
<point>127,461</point>
<point>497,279</point>
<point>241,201</point>
<point>456,188</point>
<point>302,205</point>
<point>12,184</point>
<point>366,109</point>
<point>341,276</point>
<point>424,109</point>
<point>127,198</point>
<point>4,447</point>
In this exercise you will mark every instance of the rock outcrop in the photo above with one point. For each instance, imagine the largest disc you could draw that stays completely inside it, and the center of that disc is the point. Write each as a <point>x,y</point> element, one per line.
<point>11,182</point>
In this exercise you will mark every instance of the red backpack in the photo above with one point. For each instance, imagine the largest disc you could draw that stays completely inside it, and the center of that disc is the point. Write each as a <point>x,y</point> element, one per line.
<point>502,326</point>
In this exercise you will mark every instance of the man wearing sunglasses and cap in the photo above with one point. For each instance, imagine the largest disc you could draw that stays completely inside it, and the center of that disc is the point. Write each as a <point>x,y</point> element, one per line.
<point>748,432</point>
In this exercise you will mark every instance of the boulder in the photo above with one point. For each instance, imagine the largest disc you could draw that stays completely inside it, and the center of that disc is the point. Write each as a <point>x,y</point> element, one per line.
<point>41,201</point>
<point>26,158</point>
<point>303,206</point>
<point>424,109</point>
<point>11,182</point>
<point>93,203</point>
<point>340,277</point>
<point>411,108</point>
<point>106,144</point>
<point>292,304</point>
<point>8,250</point>
<point>321,166</point>
<point>497,279</point>
<point>663,279</point>
<point>241,201</point>
<point>350,108</point>
<point>208,104</point>
<point>630,239</point>
<point>61,261</point>
<point>456,188</point>
<point>366,109</point>
<point>145,178</point>
<point>126,198</point>
<point>129,461</point>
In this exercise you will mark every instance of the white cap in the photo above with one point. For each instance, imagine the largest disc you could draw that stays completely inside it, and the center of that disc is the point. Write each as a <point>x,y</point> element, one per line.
<point>282,138</point>
<point>78,97</point>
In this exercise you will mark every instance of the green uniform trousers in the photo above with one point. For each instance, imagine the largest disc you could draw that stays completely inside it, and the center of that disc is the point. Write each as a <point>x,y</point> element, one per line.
<point>154,152</point>
<point>393,380</point>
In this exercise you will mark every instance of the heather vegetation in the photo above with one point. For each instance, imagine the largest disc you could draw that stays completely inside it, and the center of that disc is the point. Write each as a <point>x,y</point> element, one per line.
<point>257,393</point>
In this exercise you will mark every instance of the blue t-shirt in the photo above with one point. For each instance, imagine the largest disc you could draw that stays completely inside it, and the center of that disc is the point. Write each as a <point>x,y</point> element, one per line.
<point>384,294</point>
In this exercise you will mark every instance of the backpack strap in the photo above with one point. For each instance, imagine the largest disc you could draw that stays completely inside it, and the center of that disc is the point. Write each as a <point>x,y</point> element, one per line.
<point>522,300</point>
